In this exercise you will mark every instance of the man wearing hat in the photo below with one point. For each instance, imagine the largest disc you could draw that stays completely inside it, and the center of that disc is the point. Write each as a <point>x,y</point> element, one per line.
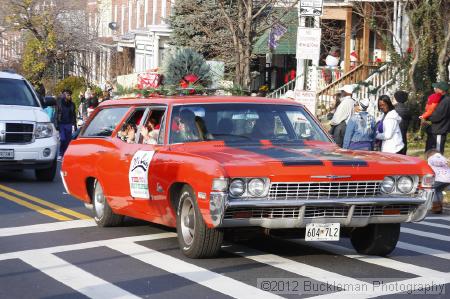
<point>360,130</point>
<point>440,119</point>
<point>343,113</point>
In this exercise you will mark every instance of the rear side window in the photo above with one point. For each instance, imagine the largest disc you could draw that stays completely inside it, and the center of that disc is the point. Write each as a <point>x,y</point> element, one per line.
<point>16,92</point>
<point>105,122</point>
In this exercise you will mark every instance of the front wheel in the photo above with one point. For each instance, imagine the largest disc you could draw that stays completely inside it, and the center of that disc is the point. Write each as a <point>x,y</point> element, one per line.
<point>103,214</point>
<point>376,239</point>
<point>195,238</point>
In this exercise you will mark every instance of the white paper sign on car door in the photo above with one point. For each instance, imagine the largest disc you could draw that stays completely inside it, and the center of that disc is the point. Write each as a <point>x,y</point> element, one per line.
<point>138,174</point>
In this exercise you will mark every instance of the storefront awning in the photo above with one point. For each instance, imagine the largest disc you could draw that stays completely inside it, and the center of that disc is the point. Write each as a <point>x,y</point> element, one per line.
<point>286,44</point>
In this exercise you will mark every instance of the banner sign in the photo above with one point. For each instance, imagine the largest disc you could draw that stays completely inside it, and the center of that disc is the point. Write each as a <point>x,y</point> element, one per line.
<point>308,43</point>
<point>311,8</point>
<point>307,98</point>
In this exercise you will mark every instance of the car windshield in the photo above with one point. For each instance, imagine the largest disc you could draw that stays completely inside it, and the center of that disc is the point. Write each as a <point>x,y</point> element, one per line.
<point>233,122</point>
<point>16,92</point>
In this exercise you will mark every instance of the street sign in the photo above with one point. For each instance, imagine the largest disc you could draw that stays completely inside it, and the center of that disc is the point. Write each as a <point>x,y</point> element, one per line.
<point>308,43</point>
<point>311,8</point>
<point>307,98</point>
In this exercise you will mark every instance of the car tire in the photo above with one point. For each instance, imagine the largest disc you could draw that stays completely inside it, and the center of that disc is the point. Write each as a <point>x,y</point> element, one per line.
<point>195,238</point>
<point>46,174</point>
<point>376,239</point>
<point>103,214</point>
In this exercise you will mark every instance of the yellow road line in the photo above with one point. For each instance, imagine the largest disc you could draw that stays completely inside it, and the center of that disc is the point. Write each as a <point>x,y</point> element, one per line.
<point>37,208</point>
<point>46,203</point>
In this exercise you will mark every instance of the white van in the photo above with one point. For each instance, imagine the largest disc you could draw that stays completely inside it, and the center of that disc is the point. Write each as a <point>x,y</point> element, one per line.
<point>28,140</point>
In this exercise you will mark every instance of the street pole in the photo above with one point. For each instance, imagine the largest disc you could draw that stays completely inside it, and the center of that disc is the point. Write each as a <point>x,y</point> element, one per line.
<point>308,48</point>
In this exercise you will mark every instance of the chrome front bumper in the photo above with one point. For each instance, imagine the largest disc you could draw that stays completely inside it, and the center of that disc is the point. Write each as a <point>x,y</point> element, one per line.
<point>351,212</point>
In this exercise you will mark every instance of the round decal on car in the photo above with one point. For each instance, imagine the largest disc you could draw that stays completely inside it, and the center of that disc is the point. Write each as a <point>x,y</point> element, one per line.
<point>138,174</point>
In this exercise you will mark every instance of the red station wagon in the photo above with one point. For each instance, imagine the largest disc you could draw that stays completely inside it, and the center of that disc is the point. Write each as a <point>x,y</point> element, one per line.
<point>208,164</point>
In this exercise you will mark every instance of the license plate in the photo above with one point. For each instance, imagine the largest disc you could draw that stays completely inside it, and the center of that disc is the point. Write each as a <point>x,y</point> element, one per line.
<point>322,232</point>
<point>6,154</point>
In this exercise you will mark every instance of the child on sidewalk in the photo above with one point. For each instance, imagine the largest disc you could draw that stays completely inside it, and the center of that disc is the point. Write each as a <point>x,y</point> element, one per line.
<point>432,102</point>
<point>442,177</point>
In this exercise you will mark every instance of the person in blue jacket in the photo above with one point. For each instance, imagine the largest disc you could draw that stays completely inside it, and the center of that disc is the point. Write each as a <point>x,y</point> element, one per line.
<point>360,131</point>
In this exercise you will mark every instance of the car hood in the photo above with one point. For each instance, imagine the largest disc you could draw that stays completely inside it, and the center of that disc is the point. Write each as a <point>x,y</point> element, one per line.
<point>23,113</point>
<point>316,159</point>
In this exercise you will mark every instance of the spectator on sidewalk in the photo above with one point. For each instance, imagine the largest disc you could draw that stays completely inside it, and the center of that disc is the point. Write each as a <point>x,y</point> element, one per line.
<point>402,109</point>
<point>442,177</point>
<point>360,128</point>
<point>66,120</point>
<point>388,129</point>
<point>440,119</point>
<point>342,115</point>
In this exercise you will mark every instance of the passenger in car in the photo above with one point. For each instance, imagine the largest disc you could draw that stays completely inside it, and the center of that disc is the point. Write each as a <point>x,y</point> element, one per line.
<point>150,131</point>
<point>187,128</point>
<point>264,127</point>
<point>127,133</point>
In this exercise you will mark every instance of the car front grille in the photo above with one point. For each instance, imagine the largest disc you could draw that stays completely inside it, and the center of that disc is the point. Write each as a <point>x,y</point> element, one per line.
<point>16,132</point>
<point>364,211</point>
<point>323,190</point>
<point>285,212</point>
<point>326,212</point>
<point>318,212</point>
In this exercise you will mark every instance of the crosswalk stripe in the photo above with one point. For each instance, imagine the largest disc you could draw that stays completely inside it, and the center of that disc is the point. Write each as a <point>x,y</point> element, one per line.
<point>44,227</point>
<point>375,260</point>
<point>209,279</point>
<point>45,203</point>
<point>86,245</point>
<point>439,218</point>
<point>425,234</point>
<point>74,277</point>
<point>424,250</point>
<point>34,207</point>
<point>433,224</point>
<point>292,266</point>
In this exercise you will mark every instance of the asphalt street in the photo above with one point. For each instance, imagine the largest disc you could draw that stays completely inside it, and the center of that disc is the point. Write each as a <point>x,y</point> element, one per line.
<point>51,248</point>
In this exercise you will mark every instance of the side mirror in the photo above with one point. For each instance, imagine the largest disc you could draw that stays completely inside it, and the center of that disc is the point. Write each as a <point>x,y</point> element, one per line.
<point>49,101</point>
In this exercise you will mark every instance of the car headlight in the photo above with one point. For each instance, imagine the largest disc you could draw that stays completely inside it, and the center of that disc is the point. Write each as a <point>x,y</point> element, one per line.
<point>256,187</point>
<point>237,187</point>
<point>44,130</point>
<point>388,185</point>
<point>405,184</point>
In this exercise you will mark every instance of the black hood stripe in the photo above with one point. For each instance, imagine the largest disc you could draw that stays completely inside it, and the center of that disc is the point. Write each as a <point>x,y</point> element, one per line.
<point>349,163</point>
<point>288,158</point>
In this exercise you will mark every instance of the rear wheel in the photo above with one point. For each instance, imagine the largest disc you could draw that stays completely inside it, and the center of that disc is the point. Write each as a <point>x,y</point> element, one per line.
<point>195,238</point>
<point>376,239</point>
<point>46,174</point>
<point>103,214</point>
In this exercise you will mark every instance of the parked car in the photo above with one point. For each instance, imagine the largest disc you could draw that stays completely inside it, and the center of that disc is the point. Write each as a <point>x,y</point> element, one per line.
<point>232,162</point>
<point>28,139</point>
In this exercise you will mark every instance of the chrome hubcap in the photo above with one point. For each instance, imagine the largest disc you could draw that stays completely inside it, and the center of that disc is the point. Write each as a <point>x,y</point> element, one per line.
<point>187,221</point>
<point>99,199</point>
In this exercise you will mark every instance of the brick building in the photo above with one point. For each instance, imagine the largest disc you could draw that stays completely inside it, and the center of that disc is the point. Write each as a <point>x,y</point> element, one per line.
<point>132,37</point>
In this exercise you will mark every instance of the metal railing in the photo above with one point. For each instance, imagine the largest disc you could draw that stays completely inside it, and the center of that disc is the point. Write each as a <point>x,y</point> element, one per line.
<point>277,93</point>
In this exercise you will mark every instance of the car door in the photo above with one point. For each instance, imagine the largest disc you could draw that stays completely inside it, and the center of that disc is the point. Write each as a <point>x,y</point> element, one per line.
<point>134,196</point>
<point>89,154</point>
